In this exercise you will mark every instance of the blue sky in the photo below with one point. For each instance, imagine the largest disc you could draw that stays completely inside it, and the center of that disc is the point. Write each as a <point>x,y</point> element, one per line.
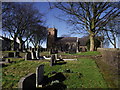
<point>51,20</point>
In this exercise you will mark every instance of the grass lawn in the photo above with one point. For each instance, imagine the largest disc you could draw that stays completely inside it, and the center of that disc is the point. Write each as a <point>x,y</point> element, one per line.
<point>85,74</point>
<point>79,53</point>
<point>83,53</point>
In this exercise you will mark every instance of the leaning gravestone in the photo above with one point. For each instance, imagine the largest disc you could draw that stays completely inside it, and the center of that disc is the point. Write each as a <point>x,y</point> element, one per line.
<point>39,75</point>
<point>27,82</point>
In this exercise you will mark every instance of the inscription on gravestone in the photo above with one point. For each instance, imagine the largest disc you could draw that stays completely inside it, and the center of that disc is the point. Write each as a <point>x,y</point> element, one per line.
<point>39,75</point>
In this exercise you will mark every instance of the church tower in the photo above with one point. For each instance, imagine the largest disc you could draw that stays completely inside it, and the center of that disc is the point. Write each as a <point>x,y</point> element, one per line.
<point>51,38</point>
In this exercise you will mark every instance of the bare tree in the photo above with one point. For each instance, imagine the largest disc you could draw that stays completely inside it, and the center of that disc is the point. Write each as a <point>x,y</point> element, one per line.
<point>20,20</point>
<point>112,31</point>
<point>89,16</point>
<point>39,36</point>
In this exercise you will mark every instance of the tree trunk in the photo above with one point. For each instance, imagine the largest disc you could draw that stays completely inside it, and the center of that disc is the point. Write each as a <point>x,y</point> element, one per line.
<point>20,46</point>
<point>92,42</point>
<point>114,45</point>
<point>14,44</point>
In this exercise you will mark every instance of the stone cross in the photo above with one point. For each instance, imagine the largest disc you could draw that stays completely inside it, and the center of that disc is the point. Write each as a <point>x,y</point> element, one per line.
<point>39,75</point>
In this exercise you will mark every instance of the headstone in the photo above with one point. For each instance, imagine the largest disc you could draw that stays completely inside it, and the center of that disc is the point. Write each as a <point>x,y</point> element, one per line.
<point>11,54</point>
<point>28,56</point>
<point>17,54</point>
<point>39,75</point>
<point>60,57</point>
<point>52,61</point>
<point>7,60</point>
<point>27,82</point>
<point>56,56</point>
<point>33,54</point>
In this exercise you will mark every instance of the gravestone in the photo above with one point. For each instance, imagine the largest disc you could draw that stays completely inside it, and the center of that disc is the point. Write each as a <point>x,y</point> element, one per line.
<point>39,75</point>
<point>56,57</point>
<point>11,54</point>
<point>53,60</point>
<point>17,54</point>
<point>60,57</point>
<point>33,54</point>
<point>7,60</point>
<point>27,82</point>
<point>28,56</point>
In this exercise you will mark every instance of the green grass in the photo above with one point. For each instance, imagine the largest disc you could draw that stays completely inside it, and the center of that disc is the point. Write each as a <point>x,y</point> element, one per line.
<point>90,53</point>
<point>44,53</point>
<point>7,51</point>
<point>91,76</point>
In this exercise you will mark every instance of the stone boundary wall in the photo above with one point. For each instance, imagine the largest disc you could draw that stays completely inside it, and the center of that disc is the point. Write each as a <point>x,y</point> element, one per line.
<point>110,55</point>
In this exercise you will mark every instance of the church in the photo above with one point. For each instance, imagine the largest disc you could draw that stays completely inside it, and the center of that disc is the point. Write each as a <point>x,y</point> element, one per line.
<point>65,44</point>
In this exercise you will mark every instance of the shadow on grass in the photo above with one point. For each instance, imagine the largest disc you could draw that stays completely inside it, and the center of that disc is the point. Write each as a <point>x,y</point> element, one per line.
<point>55,81</point>
<point>60,62</point>
<point>4,65</point>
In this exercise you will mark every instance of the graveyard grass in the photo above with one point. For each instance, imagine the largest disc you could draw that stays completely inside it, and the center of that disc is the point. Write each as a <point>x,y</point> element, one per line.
<point>79,53</point>
<point>85,74</point>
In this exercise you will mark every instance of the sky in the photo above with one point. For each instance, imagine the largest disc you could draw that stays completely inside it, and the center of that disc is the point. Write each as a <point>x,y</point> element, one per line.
<point>52,21</point>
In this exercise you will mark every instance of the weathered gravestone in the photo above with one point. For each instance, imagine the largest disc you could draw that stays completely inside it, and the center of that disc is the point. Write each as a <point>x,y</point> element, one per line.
<point>17,54</point>
<point>33,54</point>
<point>53,60</point>
<point>56,56</point>
<point>11,54</point>
<point>27,82</point>
<point>7,60</point>
<point>39,76</point>
<point>28,56</point>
